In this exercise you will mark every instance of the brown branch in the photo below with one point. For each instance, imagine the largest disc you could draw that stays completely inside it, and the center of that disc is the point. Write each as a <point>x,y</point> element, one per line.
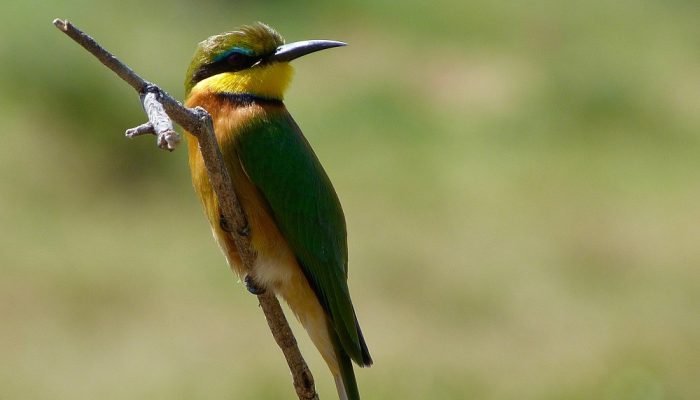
<point>161,108</point>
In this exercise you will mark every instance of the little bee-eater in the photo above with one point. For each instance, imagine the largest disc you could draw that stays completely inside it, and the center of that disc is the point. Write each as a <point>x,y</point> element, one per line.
<point>295,221</point>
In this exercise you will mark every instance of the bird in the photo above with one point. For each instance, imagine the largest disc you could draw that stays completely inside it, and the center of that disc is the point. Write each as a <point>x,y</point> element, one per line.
<point>295,220</point>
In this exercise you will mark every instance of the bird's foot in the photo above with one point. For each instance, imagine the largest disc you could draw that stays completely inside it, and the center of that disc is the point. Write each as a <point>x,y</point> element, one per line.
<point>226,227</point>
<point>245,231</point>
<point>224,224</point>
<point>252,286</point>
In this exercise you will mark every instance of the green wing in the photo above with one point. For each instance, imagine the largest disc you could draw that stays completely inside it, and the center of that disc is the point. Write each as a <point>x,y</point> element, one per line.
<point>281,163</point>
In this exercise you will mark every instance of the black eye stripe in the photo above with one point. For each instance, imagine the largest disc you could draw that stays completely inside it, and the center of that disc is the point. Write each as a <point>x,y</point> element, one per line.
<point>231,63</point>
<point>205,71</point>
<point>240,61</point>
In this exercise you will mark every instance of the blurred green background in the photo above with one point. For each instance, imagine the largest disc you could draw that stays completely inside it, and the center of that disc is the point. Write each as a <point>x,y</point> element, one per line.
<point>520,179</point>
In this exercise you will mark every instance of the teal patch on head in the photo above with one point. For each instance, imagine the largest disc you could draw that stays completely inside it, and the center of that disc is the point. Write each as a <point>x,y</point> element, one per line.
<point>239,50</point>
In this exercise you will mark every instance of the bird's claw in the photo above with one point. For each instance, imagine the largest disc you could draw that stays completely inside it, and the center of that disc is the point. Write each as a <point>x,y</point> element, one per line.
<point>253,286</point>
<point>226,227</point>
<point>245,231</point>
<point>223,223</point>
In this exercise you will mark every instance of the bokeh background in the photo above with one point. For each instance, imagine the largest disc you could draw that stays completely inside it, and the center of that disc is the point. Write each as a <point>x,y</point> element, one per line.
<point>520,179</point>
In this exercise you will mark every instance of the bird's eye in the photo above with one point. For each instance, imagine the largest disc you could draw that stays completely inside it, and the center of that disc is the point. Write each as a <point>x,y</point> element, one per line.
<point>239,60</point>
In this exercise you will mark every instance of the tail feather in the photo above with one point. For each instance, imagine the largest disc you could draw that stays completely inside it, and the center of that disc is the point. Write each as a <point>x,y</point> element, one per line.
<point>345,381</point>
<point>342,393</point>
<point>366,359</point>
<point>308,310</point>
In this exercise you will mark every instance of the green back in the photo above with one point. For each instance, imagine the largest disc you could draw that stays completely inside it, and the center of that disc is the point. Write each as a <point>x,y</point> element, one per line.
<point>281,163</point>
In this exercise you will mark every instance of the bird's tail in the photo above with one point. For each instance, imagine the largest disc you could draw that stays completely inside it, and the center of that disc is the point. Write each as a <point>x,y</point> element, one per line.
<point>345,381</point>
<point>303,302</point>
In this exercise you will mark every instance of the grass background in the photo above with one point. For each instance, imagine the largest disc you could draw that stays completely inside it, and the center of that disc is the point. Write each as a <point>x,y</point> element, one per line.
<point>520,181</point>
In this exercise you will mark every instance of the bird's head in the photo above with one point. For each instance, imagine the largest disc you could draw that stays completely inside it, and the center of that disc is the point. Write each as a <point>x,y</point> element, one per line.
<point>252,59</point>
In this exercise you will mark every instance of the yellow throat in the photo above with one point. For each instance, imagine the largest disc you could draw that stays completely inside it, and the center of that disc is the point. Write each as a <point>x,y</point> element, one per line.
<point>269,81</point>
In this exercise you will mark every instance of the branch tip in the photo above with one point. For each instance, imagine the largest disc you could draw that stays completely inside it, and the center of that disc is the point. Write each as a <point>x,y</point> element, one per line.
<point>143,129</point>
<point>168,140</point>
<point>61,24</point>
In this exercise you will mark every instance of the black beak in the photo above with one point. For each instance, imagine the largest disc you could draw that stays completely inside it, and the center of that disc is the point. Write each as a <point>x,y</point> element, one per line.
<point>291,51</point>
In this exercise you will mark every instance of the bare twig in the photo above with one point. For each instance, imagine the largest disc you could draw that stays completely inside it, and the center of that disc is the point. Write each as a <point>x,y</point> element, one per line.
<point>160,108</point>
<point>144,129</point>
<point>159,123</point>
<point>166,136</point>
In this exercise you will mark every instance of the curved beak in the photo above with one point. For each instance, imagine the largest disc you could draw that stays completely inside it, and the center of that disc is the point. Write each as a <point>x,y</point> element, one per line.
<point>291,51</point>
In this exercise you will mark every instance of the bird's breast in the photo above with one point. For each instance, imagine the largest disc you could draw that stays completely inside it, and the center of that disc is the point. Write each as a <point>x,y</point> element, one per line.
<point>275,263</point>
